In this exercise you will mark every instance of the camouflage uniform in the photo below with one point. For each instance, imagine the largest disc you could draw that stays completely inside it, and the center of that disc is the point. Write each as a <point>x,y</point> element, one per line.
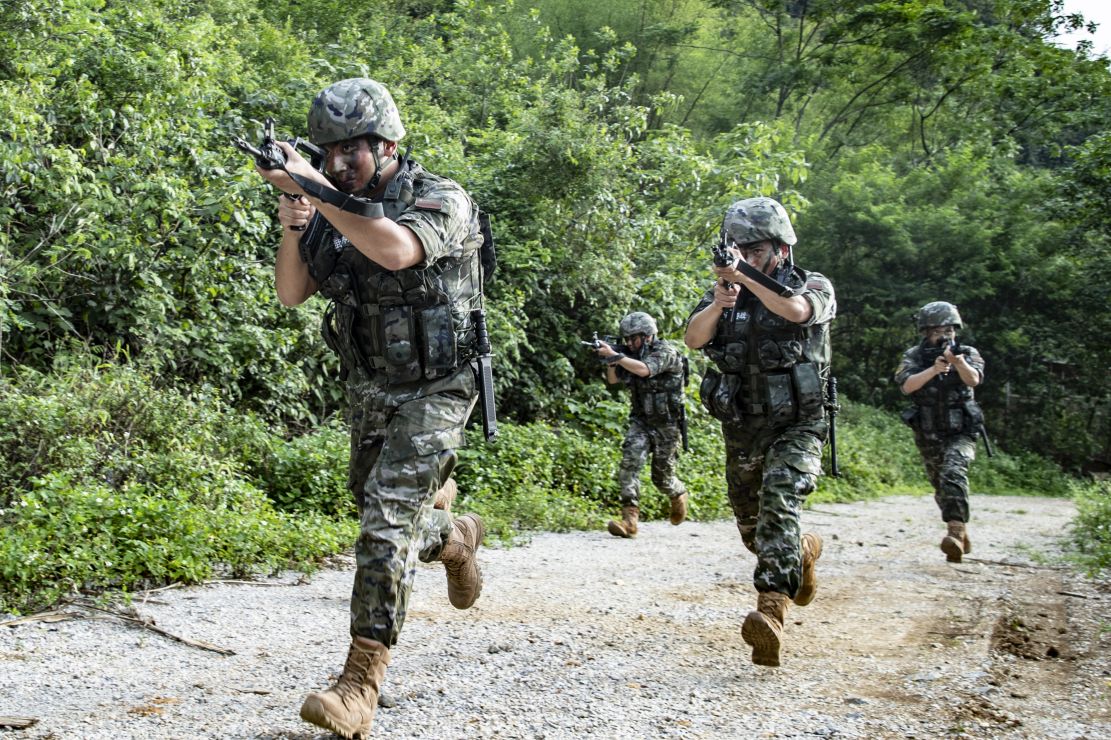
<point>653,423</point>
<point>407,350</point>
<point>945,418</point>
<point>768,391</point>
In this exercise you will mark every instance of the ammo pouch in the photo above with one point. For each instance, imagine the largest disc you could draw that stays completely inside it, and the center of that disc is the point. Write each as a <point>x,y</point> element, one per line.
<point>941,421</point>
<point>910,416</point>
<point>795,395</point>
<point>657,406</point>
<point>721,395</point>
<point>731,357</point>
<point>418,342</point>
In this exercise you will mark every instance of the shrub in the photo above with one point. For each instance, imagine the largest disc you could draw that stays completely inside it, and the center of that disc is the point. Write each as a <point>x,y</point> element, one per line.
<point>1091,530</point>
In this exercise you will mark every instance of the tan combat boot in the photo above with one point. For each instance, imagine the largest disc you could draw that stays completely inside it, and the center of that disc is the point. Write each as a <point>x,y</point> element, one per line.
<point>464,579</point>
<point>763,628</point>
<point>446,495</point>
<point>811,551</point>
<point>955,543</point>
<point>679,509</point>
<point>627,527</point>
<point>348,707</point>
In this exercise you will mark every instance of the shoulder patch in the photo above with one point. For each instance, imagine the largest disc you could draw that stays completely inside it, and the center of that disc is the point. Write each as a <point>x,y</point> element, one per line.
<point>815,284</point>
<point>429,204</point>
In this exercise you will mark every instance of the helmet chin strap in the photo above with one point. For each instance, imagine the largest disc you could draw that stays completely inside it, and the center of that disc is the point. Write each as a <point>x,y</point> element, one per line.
<point>370,186</point>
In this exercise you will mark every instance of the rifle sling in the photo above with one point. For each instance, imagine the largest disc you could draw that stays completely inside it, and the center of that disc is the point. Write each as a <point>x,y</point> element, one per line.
<point>776,287</point>
<point>343,201</point>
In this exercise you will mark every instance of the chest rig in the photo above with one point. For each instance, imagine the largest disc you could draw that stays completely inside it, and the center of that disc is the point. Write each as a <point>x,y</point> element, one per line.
<point>945,405</point>
<point>411,324</point>
<point>659,398</point>
<point>766,366</point>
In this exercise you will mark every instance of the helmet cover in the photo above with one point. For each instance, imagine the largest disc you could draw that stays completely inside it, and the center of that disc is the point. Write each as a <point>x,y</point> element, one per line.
<point>756,220</point>
<point>355,107</point>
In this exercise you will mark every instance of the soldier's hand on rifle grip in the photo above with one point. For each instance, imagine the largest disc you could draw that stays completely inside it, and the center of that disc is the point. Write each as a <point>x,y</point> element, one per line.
<point>294,212</point>
<point>725,294</point>
<point>941,364</point>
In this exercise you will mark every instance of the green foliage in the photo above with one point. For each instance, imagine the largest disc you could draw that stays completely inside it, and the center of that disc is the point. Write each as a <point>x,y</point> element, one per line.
<point>1091,530</point>
<point>927,152</point>
<point>63,536</point>
<point>110,481</point>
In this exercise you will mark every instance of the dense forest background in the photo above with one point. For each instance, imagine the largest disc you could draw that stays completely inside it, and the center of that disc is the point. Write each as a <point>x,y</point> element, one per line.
<point>927,150</point>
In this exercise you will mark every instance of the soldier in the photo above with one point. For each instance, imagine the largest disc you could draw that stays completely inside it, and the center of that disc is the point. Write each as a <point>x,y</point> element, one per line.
<point>765,326</point>
<point>654,372</point>
<point>939,375</point>
<point>399,259</point>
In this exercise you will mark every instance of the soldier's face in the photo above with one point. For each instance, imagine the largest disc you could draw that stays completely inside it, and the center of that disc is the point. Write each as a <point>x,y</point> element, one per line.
<point>935,335</point>
<point>350,162</point>
<point>764,256</point>
<point>635,342</point>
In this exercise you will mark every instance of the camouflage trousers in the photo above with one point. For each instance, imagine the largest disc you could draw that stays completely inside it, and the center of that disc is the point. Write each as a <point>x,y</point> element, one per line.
<point>947,461</point>
<point>769,473</point>
<point>403,442</point>
<point>662,443</point>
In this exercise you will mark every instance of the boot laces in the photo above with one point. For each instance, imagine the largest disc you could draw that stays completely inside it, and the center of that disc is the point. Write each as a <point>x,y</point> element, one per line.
<point>352,684</point>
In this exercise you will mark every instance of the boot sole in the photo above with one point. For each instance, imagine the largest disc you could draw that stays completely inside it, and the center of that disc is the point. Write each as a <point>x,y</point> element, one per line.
<point>953,549</point>
<point>313,712</point>
<point>478,571</point>
<point>763,638</point>
<point>809,586</point>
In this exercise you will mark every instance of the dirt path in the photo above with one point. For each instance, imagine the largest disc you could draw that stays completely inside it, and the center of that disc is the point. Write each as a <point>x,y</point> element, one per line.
<point>581,635</point>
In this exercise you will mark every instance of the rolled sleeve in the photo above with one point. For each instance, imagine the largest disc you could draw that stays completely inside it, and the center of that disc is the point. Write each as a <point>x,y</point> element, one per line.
<point>818,292</point>
<point>441,218</point>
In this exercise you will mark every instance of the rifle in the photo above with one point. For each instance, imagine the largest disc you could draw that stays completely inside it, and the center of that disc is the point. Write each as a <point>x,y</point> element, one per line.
<point>833,407</point>
<point>485,375</point>
<point>722,258</point>
<point>596,343</point>
<point>930,354</point>
<point>269,156</point>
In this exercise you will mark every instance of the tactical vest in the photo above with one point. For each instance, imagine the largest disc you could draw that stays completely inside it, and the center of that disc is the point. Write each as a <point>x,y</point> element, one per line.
<point>945,405</point>
<point>766,366</point>
<point>658,399</point>
<point>412,324</point>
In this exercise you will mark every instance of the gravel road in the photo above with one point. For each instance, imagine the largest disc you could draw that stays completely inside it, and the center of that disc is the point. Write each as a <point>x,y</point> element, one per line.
<point>584,635</point>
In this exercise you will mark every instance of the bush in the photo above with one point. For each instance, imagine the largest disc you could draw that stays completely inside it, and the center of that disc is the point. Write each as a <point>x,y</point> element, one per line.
<point>111,481</point>
<point>1091,530</point>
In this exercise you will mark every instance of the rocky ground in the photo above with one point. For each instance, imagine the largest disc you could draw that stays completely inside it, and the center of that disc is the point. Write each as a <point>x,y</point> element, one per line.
<point>584,635</point>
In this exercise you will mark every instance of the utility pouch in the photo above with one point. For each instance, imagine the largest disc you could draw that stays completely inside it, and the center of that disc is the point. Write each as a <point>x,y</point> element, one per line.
<point>808,390</point>
<point>648,405</point>
<point>720,395</point>
<point>399,344</point>
<point>926,420</point>
<point>974,416</point>
<point>439,351</point>
<point>780,399</point>
<point>910,416</point>
<point>733,356</point>
<point>661,405</point>
<point>330,333</point>
<point>954,420</point>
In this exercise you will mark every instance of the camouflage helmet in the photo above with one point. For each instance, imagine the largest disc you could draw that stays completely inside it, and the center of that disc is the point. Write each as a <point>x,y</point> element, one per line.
<point>756,220</point>
<point>938,313</point>
<point>638,322</point>
<point>355,107</point>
